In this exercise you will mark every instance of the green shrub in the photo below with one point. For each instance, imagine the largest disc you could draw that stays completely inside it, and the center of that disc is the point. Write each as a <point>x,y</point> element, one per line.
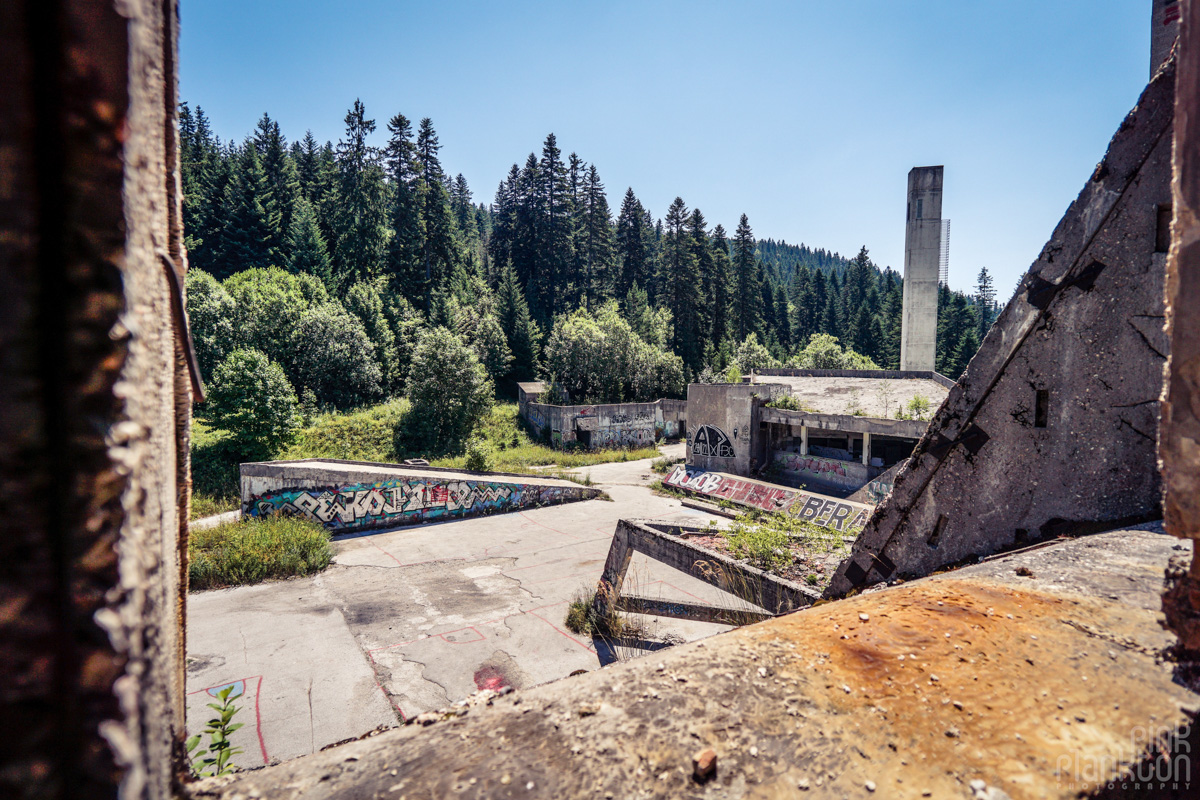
<point>450,394</point>
<point>582,618</point>
<point>250,397</point>
<point>255,550</point>
<point>918,406</point>
<point>365,435</point>
<point>787,402</point>
<point>479,456</point>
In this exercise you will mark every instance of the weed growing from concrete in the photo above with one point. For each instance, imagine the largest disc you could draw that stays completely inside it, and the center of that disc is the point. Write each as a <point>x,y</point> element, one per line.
<point>216,759</point>
<point>255,550</point>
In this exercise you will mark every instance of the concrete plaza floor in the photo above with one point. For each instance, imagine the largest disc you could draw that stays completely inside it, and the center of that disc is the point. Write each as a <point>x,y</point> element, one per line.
<point>413,619</point>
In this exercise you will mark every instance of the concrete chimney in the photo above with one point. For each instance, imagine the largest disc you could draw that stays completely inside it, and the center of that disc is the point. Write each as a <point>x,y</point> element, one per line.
<point>1164,30</point>
<point>922,257</point>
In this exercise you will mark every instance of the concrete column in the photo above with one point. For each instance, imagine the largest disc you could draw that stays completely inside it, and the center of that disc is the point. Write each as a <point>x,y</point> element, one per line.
<point>922,253</point>
<point>866,449</point>
<point>1180,426</point>
<point>1164,28</point>
<point>803,440</point>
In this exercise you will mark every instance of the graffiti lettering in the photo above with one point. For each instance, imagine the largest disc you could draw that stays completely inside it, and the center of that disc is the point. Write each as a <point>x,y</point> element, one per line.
<point>711,442</point>
<point>825,511</point>
<point>404,502</point>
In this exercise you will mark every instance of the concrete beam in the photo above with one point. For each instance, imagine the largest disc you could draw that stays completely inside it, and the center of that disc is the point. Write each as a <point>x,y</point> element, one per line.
<point>904,428</point>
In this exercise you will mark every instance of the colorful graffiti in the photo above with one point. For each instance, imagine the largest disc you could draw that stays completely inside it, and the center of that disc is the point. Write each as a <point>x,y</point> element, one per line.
<point>406,502</point>
<point>710,441</point>
<point>794,462</point>
<point>828,512</point>
<point>880,488</point>
<point>623,437</point>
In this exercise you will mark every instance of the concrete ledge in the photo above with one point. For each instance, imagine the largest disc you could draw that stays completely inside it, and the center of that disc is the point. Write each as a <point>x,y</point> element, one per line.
<point>857,373</point>
<point>907,428</point>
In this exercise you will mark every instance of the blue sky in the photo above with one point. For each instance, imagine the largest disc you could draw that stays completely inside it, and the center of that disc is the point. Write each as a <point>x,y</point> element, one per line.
<point>806,116</point>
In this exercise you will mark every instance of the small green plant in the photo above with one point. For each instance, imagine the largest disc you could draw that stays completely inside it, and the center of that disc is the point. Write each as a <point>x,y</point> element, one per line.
<point>764,546</point>
<point>918,406</point>
<point>811,579</point>
<point>658,487</point>
<point>733,374</point>
<point>216,758</point>
<point>787,402</point>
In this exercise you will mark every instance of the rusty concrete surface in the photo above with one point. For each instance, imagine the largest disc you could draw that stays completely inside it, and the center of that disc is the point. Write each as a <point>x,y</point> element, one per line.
<point>1021,672</point>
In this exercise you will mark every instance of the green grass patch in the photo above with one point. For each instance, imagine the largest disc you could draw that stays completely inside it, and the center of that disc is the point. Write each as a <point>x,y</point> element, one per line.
<point>364,435</point>
<point>206,505</point>
<point>765,540</point>
<point>255,550</point>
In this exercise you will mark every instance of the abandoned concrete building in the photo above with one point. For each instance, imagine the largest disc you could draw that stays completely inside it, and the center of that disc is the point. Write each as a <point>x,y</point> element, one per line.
<point>1035,663</point>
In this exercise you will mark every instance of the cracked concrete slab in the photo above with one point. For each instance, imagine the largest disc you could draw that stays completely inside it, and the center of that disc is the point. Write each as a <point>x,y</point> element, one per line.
<point>416,618</point>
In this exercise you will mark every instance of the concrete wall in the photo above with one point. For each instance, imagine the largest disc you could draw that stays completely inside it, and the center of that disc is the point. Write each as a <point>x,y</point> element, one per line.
<point>609,425</point>
<point>819,472</point>
<point>722,422</point>
<point>1179,436</point>
<point>828,512</point>
<point>362,499</point>
<point>1052,428</point>
<point>895,374</point>
<point>922,248</point>
<point>94,401</point>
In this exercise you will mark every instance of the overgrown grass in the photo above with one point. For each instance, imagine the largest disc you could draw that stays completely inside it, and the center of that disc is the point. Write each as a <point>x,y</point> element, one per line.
<point>513,450</point>
<point>765,540</point>
<point>658,487</point>
<point>582,618</point>
<point>663,465</point>
<point>255,550</point>
<point>364,435</point>
<point>214,471</point>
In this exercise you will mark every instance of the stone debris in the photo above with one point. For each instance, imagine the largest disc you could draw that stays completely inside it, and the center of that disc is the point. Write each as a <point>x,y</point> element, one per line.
<point>704,764</point>
<point>864,617</point>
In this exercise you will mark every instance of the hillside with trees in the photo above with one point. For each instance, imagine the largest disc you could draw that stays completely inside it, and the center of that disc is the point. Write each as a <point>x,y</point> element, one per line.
<point>340,269</point>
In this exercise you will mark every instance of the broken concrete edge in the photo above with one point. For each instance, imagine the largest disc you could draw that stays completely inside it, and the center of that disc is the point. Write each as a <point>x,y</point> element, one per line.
<point>666,543</point>
<point>708,508</point>
<point>896,374</point>
<point>876,670</point>
<point>1179,430</point>
<point>909,528</point>
<point>907,428</point>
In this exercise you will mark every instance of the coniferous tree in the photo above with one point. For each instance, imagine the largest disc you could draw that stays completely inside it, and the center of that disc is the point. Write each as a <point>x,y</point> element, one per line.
<point>596,240</point>
<point>305,244</point>
<point>433,202</point>
<point>631,245</point>
<point>701,247</point>
<point>747,295</point>
<point>282,180</point>
<point>519,328</point>
<point>403,264</point>
<point>249,230</point>
<point>361,218</point>
<point>679,283</point>
<point>985,301</point>
<point>552,233</point>
<point>718,300</point>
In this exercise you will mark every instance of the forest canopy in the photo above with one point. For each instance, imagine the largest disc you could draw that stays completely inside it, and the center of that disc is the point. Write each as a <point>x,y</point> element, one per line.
<point>335,261</point>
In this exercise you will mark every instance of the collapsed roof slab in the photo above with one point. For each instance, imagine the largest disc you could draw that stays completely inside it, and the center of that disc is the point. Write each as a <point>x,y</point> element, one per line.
<point>1052,427</point>
<point>1035,673</point>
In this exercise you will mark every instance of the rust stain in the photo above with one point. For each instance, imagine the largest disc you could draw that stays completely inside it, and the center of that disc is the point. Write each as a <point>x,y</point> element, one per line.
<point>965,680</point>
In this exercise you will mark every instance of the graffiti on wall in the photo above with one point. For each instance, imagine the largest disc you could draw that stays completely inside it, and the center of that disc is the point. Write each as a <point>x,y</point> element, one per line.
<point>404,502</point>
<point>825,511</point>
<point>623,437</point>
<point>818,467</point>
<point>880,488</point>
<point>710,441</point>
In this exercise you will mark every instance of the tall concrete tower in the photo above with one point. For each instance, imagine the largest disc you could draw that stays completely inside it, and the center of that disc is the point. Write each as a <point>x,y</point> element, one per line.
<point>1164,30</point>
<point>922,257</point>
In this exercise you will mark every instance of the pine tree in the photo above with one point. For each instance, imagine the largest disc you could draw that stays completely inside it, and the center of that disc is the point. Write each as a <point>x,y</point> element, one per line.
<point>283,182</point>
<point>985,301</point>
<point>519,328</point>
<point>747,295</point>
<point>718,299</point>
<point>596,241</point>
<point>305,244</point>
<point>698,243</point>
<point>437,226</point>
<point>403,265</point>
<point>361,221</point>
<point>249,230</point>
<point>679,284</point>
<point>552,233</point>
<point>631,245</point>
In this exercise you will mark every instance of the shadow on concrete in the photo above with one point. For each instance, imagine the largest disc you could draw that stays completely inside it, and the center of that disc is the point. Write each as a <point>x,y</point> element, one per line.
<point>609,650</point>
